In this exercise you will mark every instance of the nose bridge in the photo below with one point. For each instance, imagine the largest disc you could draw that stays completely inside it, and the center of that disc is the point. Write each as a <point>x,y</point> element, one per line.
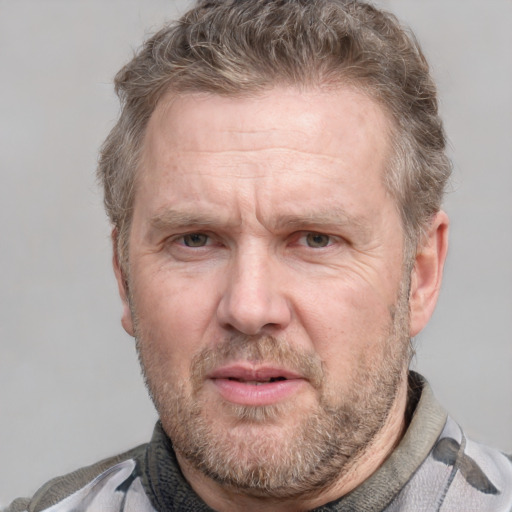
<point>253,300</point>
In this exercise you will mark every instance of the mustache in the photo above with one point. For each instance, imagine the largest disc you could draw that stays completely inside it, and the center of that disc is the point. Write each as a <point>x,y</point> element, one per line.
<point>257,350</point>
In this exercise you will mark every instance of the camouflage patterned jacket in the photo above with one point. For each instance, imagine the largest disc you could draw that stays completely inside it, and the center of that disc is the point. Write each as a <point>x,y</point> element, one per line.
<point>434,468</point>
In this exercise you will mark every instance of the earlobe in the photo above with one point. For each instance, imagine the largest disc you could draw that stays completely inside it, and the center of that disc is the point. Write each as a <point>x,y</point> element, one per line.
<point>427,273</point>
<point>122,284</point>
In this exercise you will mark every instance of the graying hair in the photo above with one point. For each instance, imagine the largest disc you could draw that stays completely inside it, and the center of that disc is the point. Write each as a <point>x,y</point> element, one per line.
<point>238,47</point>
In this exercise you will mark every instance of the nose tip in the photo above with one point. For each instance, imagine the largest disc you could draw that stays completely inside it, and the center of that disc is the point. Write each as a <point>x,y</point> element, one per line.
<point>250,318</point>
<point>253,303</point>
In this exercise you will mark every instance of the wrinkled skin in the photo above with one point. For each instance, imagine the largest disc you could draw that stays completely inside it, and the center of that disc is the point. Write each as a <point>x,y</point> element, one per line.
<point>264,241</point>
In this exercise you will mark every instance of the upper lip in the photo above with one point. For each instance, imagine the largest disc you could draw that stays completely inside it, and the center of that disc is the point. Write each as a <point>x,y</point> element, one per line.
<point>252,373</point>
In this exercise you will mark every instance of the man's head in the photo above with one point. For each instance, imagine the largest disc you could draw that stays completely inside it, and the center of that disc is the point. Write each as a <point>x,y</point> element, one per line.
<point>268,181</point>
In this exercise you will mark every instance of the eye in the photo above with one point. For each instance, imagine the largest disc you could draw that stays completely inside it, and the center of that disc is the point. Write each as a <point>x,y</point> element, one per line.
<point>317,240</point>
<point>195,240</point>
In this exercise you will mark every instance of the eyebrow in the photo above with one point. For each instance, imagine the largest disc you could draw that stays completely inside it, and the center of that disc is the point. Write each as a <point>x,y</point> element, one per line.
<point>329,217</point>
<point>326,217</point>
<point>170,218</point>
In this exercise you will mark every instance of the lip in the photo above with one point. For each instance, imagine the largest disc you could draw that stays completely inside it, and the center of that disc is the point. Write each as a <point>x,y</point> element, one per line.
<point>249,385</point>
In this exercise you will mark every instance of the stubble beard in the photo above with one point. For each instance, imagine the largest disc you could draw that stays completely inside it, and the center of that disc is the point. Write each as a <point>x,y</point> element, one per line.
<point>261,454</point>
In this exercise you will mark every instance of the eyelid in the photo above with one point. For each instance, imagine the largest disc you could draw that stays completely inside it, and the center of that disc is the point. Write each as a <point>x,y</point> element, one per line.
<point>302,235</point>
<point>178,238</point>
<point>297,237</point>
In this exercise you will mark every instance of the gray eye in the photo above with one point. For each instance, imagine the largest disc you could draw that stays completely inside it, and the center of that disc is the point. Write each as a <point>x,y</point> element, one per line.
<point>195,240</point>
<point>317,240</point>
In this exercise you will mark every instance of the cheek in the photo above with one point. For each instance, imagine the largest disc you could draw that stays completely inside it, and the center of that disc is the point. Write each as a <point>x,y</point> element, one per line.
<point>344,320</point>
<point>174,318</point>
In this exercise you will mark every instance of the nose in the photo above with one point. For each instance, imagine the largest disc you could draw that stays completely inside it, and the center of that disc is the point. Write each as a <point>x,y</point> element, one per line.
<point>254,301</point>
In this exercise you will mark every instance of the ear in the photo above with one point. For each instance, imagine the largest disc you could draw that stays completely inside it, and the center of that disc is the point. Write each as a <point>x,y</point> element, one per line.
<point>427,273</point>
<point>122,284</point>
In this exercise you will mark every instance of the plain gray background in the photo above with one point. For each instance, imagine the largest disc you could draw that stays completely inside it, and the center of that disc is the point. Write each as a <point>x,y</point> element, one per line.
<point>70,387</point>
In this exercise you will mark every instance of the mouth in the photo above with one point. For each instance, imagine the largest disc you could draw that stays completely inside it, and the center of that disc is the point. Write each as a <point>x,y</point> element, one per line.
<point>258,382</point>
<point>246,385</point>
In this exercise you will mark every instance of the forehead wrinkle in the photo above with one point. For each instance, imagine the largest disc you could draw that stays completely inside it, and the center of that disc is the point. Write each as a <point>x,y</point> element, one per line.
<point>252,165</point>
<point>173,154</point>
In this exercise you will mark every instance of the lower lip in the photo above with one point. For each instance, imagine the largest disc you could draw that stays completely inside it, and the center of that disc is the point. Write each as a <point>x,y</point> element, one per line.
<point>267,393</point>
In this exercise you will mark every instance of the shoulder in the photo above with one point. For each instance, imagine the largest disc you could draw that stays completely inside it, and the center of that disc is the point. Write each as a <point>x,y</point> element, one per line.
<point>480,473</point>
<point>459,474</point>
<point>104,478</point>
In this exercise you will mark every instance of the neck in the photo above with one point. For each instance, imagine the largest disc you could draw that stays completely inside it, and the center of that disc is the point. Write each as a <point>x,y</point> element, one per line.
<point>227,499</point>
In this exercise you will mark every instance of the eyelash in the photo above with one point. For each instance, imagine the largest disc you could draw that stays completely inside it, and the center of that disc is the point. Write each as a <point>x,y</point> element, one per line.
<point>309,237</point>
<point>306,237</point>
<point>196,235</point>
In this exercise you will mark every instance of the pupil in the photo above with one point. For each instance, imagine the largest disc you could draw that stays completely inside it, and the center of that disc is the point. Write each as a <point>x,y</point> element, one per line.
<point>195,240</point>
<point>317,240</point>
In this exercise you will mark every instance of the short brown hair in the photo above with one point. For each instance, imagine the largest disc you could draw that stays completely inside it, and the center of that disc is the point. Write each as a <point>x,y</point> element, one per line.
<point>236,47</point>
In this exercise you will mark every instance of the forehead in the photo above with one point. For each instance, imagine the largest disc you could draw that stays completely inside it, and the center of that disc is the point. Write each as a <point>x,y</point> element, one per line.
<point>283,139</point>
<point>185,122</point>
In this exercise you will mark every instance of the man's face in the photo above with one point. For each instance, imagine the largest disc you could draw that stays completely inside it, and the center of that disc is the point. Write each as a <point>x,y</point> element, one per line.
<point>266,283</point>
